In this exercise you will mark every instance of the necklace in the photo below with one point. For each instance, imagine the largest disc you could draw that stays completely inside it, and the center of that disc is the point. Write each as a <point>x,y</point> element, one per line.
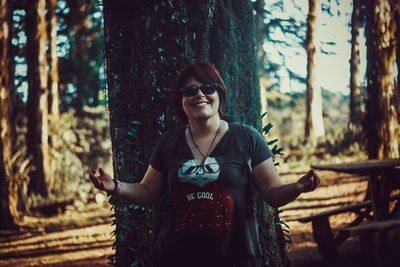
<point>197,146</point>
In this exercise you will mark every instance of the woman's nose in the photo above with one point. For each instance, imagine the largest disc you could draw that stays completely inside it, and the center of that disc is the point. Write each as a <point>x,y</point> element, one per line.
<point>200,93</point>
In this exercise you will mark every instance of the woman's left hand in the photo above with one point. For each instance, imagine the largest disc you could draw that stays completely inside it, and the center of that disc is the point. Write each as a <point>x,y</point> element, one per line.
<point>308,182</point>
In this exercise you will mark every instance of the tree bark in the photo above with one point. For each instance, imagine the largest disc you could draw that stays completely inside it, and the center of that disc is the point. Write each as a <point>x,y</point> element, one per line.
<point>146,45</point>
<point>37,136</point>
<point>261,56</point>
<point>382,122</point>
<point>8,193</point>
<point>395,5</point>
<point>54,98</point>
<point>11,72</point>
<point>355,79</point>
<point>314,124</point>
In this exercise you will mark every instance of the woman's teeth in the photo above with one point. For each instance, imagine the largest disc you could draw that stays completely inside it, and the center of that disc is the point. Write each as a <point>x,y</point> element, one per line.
<point>200,104</point>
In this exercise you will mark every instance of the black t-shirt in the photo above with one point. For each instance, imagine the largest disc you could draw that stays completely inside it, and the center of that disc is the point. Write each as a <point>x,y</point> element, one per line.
<point>209,207</point>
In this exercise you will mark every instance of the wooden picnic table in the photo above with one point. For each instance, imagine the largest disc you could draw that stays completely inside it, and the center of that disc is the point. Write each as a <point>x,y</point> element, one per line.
<point>383,177</point>
<point>381,172</point>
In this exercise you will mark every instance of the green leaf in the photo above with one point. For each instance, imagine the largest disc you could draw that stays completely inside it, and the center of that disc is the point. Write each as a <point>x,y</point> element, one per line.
<point>132,249</point>
<point>272,141</point>
<point>263,115</point>
<point>267,128</point>
<point>132,133</point>
<point>135,263</point>
<point>137,122</point>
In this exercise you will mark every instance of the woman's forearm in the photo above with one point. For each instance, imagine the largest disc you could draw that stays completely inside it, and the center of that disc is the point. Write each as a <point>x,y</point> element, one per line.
<point>136,193</point>
<point>281,195</point>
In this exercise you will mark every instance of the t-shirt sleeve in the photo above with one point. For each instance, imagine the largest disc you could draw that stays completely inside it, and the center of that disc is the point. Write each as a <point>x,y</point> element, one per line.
<point>157,159</point>
<point>259,147</point>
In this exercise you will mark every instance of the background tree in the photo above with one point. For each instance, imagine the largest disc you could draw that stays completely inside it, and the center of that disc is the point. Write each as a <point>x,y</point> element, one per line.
<point>314,124</point>
<point>37,108</point>
<point>261,57</point>
<point>8,208</point>
<point>146,45</point>
<point>382,122</point>
<point>396,8</point>
<point>355,78</point>
<point>17,58</point>
<point>54,97</point>
<point>281,25</point>
<point>80,68</point>
<point>11,69</point>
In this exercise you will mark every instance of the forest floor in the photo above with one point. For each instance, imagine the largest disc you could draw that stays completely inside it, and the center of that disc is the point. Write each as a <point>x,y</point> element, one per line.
<point>83,238</point>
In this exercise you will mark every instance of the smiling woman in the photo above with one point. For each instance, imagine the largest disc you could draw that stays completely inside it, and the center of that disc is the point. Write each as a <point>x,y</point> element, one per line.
<point>203,168</point>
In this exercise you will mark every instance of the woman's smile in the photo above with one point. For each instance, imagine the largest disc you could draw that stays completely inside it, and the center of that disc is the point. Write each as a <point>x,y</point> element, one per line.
<point>200,104</point>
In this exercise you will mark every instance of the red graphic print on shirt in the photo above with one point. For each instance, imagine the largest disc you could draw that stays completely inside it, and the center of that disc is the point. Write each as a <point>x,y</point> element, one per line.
<point>206,209</point>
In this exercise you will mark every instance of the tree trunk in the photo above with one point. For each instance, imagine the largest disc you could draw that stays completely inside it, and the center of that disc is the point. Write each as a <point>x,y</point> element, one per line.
<point>37,136</point>
<point>355,78</point>
<point>382,122</point>
<point>261,56</point>
<point>146,45</point>
<point>396,8</point>
<point>54,98</point>
<point>314,125</point>
<point>8,193</point>
<point>11,72</point>
<point>82,59</point>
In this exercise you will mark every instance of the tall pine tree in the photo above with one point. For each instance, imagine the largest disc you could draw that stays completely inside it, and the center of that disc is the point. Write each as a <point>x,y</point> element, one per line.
<point>314,125</point>
<point>36,58</point>
<point>382,121</point>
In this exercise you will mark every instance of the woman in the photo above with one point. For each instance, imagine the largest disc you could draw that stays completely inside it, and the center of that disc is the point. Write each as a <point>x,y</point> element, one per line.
<point>204,170</point>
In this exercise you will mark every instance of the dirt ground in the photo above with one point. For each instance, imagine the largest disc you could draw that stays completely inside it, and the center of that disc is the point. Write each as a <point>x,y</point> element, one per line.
<point>84,238</point>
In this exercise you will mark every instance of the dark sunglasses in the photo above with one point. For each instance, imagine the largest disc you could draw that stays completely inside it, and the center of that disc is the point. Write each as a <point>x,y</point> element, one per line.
<point>206,89</point>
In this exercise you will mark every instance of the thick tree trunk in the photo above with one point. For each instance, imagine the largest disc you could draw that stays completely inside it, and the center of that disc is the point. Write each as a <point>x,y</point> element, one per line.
<point>314,124</point>
<point>54,98</point>
<point>146,45</point>
<point>261,56</point>
<point>8,193</point>
<point>355,78</point>
<point>396,8</point>
<point>143,51</point>
<point>382,122</point>
<point>37,135</point>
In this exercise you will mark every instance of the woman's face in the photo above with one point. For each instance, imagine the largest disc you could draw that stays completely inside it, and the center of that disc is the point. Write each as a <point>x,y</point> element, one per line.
<point>200,106</point>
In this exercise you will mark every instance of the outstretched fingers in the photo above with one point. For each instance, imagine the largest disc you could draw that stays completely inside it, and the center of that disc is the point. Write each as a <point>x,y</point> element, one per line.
<point>95,180</point>
<point>314,180</point>
<point>310,181</point>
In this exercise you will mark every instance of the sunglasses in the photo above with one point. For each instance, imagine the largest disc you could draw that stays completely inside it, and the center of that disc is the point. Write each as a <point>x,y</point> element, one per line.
<point>201,169</point>
<point>207,89</point>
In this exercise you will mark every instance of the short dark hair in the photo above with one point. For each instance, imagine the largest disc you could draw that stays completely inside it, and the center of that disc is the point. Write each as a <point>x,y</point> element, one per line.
<point>204,72</point>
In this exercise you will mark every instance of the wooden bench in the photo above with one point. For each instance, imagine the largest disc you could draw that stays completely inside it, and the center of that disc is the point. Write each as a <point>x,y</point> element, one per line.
<point>372,238</point>
<point>322,232</point>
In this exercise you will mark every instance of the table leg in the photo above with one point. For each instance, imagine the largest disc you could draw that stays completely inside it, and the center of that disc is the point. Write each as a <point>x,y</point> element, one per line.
<point>323,236</point>
<point>380,197</point>
<point>379,192</point>
<point>374,194</point>
<point>385,194</point>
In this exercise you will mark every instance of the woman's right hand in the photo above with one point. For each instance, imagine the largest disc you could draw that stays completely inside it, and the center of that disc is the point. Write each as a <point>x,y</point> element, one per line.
<point>103,182</point>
